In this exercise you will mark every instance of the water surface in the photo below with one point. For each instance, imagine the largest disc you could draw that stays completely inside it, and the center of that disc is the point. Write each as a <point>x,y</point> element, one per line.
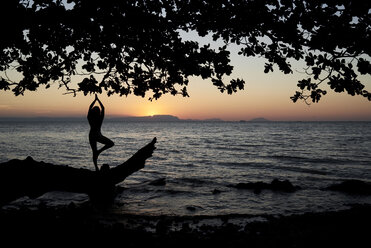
<point>198,157</point>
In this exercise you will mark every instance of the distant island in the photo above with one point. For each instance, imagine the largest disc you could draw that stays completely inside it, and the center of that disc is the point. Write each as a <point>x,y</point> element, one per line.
<point>160,118</point>
<point>260,119</point>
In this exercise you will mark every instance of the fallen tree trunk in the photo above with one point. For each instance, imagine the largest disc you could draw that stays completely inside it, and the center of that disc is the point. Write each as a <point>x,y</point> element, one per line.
<point>31,178</point>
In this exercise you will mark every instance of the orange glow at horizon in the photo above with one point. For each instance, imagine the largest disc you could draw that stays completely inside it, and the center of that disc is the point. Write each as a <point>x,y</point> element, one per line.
<point>202,104</point>
<point>151,113</point>
<point>265,95</point>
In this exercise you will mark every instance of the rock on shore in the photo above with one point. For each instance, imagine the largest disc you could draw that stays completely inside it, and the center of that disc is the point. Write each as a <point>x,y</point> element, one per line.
<point>351,187</point>
<point>346,228</point>
<point>275,185</point>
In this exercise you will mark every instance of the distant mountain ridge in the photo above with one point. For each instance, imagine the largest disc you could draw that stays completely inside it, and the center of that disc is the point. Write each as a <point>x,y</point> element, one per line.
<point>260,119</point>
<point>161,118</point>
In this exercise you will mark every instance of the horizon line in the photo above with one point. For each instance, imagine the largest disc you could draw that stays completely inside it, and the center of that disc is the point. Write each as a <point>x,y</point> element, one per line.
<point>173,118</point>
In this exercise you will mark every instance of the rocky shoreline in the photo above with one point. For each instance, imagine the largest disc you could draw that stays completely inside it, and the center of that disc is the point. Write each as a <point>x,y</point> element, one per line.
<point>81,222</point>
<point>72,217</point>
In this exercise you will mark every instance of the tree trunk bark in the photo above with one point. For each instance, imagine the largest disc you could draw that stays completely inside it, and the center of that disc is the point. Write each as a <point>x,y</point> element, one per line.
<point>31,178</point>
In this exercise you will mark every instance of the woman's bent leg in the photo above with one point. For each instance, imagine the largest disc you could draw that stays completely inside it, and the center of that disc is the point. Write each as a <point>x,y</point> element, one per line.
<point>107,143</point>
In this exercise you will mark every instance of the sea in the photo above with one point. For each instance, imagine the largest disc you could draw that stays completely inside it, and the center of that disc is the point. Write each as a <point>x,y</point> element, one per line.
<point>201,161</point>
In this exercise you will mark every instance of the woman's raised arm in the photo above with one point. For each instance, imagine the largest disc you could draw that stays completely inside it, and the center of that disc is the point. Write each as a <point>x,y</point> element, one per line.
<point>101,106</point>
<point>92,104</point>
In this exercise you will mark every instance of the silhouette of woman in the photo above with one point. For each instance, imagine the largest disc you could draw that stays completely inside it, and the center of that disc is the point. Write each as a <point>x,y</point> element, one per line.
<point>95,118</point>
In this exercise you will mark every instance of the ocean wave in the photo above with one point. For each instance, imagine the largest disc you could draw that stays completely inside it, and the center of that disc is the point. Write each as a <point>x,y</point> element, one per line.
<point>156,172</point>
<point>328,160</point>
<point>323,172</point>
<point>254,164</point>
<point>229,148</point>
<point>173,151</point>
<point>272,166</point>
<point>146,191</point>
<point>193,180</point>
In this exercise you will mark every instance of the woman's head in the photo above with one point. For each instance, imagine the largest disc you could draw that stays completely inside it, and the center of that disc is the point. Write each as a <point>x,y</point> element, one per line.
<point>95,111</point>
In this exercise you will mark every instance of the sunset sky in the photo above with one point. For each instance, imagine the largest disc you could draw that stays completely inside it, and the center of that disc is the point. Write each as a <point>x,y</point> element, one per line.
<point>265,95</point>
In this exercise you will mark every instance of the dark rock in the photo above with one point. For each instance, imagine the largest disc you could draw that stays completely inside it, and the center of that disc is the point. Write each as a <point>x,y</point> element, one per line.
<point>158,182</point>
<point>216,191</point>
<point>162,226</point>
<point>352,187</point>
<point>29,159</point>
<point>191,208</point>
<point>285,186</point>
<point>253,186</point>
<point>275,185</point>
<point>186,228</point>
<point>257,191</point>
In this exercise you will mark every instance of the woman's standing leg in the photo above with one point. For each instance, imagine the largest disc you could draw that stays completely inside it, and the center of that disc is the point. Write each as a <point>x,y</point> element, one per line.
<point>93,144</point>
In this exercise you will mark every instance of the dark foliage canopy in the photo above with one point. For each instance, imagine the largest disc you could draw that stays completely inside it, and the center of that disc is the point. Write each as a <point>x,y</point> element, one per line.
<point>133,47</point>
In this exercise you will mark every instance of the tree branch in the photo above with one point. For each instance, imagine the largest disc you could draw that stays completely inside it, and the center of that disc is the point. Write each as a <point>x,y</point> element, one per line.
<point>29,177</point>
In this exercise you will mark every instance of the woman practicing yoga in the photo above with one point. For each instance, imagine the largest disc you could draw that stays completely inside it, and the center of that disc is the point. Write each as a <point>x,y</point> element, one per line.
<point>95,118</point>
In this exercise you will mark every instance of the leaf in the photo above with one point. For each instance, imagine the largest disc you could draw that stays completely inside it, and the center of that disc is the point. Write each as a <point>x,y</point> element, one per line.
<point>268,67</point>
<point>364,66</point>
<point>4,85</point>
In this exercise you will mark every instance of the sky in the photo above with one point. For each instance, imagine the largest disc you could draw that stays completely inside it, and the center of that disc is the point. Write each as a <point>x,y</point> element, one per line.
<point>265,95</point>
